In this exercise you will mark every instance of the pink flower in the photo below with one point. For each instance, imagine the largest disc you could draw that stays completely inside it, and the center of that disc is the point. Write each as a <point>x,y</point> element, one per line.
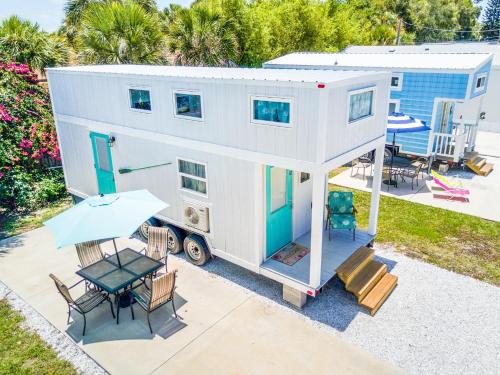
<point>1,174</point>
<point>24,153</point>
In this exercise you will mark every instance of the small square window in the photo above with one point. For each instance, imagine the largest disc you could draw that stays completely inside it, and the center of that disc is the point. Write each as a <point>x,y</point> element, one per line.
<point>271,111</point>
<point>140,99</point>
<point>188,105</point>
<point>304,176</point>
<point>397,82</point>
<point>480,82</point>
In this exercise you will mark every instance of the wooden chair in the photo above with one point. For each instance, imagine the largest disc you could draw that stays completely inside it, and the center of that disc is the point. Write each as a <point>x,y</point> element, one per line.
<point>161,292</point>
<point>341,213</point>
<point>157,244</point>
<point>83,304</point>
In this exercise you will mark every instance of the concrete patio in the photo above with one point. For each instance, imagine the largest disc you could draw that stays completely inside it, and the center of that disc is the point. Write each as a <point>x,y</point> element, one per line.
<point>484,191</point>
<point>224,328</point>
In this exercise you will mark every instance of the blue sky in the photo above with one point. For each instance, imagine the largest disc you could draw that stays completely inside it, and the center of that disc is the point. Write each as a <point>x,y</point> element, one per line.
<point>49,13</point>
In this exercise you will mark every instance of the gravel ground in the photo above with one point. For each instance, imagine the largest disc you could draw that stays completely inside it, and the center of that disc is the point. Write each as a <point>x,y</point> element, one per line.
<point>435,321</point>
<point>65,347</point>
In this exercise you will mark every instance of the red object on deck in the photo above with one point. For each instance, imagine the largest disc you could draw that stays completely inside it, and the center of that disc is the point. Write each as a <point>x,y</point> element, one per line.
<point>321,85</point>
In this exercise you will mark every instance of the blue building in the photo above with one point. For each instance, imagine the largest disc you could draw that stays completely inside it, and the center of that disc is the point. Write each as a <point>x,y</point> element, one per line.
<point>445,90</point>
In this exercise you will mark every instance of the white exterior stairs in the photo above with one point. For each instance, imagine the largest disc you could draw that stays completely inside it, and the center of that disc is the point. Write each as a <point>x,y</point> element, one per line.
<point>479,165</point>
<point>367,279</point>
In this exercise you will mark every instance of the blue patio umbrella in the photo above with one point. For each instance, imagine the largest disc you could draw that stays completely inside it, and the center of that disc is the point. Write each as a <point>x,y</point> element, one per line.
<point>104,217</point>
<point>400,123</point>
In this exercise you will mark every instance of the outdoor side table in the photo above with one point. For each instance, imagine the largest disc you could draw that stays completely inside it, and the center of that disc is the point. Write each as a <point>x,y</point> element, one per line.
<point>107,275</point>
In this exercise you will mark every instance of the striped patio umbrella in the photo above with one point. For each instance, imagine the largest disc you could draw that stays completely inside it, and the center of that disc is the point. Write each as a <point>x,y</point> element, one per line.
<point>400,123</point>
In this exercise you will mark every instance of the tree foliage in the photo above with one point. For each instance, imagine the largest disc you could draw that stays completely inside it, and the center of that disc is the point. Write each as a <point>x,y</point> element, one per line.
<point>25,43</point>
<point>492,19</point>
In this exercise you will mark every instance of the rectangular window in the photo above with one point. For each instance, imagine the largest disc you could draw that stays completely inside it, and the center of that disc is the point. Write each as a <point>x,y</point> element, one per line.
<point>360,104</point>
<point>480,82</point>
<point>304,176</point>
<point>393,106</point>
<point>278,188</point>
<point>188,105</point>
<point>193,176</point>
<point>140,99</point>
<point>271,111</point>
<point>397,82</point>
<point>103,161</point>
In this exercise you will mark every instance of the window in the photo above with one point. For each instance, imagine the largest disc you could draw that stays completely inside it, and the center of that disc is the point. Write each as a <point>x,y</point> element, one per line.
<point>101,145</point>
<point>140,99</point>
<point>480,82</point>
<point>304,176</point>
<point>397,81</point>
<point>271,111</point>
<point>192,176</point>
<point>188,104</point>
<point>393,106</point>
<point>360,104</point>
<point>278,188</point>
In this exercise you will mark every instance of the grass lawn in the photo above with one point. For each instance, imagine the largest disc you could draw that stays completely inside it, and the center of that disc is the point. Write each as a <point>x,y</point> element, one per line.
<point>24,352</point>
<point>12,225</point>
<point>451,240</point>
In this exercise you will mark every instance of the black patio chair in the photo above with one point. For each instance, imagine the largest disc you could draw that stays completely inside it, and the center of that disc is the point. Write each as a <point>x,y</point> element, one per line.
<point>412,173</point>
<point>362,163</point>
<point>83,304</point>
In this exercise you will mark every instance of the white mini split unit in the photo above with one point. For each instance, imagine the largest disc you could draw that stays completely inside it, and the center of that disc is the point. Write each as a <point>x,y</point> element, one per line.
<point>196,216</point>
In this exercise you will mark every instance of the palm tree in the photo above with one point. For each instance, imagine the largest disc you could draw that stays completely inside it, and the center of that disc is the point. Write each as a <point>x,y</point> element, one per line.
<point>120,33</point>
<point>24,42</point>
<point>201,36</point>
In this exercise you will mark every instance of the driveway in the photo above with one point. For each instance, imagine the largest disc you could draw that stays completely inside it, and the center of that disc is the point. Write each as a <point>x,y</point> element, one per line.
<point>225,328</point>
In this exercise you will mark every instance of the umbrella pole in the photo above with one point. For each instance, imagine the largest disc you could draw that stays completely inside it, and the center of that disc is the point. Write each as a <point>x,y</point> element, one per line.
<point>117,256</point>
<point>392,156</point>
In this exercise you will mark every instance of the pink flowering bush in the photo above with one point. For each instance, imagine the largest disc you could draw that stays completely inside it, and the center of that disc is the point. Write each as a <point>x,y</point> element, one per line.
<point>27,140</point>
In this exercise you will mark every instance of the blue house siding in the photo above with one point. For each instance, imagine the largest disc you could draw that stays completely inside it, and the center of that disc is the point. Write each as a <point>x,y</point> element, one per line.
<point>417,99</point>
<point>484,69</point>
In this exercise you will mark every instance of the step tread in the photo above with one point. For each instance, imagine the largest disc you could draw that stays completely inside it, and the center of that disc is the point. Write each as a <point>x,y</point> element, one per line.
<point>347,270</point>
<point>487,168</point>
<point>377,296</point>
<point>366,278</point>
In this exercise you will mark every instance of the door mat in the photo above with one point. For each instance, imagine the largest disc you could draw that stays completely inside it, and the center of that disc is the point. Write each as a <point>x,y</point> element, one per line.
<point>291,253</point>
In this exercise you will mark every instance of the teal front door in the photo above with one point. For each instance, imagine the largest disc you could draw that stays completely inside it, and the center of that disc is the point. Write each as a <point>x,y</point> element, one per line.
<point>278,208</point>
<point>103,163</point>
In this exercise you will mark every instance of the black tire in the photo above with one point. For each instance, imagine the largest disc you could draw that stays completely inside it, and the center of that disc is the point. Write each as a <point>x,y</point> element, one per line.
<point>175,239</point>
<point>196,249</point>
<point>143,229</point>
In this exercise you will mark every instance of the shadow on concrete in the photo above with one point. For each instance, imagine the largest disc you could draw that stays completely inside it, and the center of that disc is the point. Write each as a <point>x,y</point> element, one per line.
<point>8,244</point>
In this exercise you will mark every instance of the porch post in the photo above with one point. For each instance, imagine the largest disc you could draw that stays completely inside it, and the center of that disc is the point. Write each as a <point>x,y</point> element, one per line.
<point>317,220</point>
<point>375,194</point>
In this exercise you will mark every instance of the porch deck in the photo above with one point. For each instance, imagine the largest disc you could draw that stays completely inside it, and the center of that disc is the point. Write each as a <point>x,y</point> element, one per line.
<point>334,253</point>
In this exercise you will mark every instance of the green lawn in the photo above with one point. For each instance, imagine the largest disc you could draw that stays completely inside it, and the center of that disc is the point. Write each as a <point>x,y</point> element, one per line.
<point>24,352</point>
<point>12,225</point>
<point>451,240</point>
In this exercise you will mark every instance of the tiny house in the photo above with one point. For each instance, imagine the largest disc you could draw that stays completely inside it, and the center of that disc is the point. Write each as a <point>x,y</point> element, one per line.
<point>445,90</point>
<point>242,156</point>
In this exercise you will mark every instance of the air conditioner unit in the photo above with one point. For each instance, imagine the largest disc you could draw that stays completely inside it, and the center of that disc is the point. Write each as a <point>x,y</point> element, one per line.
<point>196,216</point>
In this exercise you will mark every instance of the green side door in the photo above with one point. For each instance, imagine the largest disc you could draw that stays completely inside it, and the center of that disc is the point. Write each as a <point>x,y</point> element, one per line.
<point>278,208</point>
<point>103,163</point>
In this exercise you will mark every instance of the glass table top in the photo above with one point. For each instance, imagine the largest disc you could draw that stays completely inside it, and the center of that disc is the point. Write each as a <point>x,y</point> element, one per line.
<point>107,275</point>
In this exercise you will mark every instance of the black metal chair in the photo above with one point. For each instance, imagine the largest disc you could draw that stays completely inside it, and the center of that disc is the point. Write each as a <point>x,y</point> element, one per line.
<point>362,163</point>
<point>412,173</point>
<point>150,299</point>
<point>83,304</point>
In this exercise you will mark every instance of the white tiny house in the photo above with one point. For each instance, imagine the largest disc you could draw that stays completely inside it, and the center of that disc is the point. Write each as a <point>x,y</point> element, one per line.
<point>242,156</point>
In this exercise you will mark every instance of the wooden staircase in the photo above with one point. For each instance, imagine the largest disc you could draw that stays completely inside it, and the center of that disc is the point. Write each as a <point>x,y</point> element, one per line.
<point>479,165</point>
<point>367,279</point>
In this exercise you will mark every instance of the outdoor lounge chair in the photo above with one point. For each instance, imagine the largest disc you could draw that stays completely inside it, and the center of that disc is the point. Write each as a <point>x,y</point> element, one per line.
<point>341,212</point>
<point>161,292</point>
<point>83,304</point>
<point>453,184</point>
<point>450,193</point>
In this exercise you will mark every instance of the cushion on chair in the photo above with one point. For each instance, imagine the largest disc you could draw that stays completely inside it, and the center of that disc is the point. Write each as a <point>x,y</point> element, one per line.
<point>346,221</point>
<point>340,202</point>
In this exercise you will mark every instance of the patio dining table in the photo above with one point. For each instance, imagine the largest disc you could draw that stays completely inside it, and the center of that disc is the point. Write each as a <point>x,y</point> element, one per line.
<point>107,274</point>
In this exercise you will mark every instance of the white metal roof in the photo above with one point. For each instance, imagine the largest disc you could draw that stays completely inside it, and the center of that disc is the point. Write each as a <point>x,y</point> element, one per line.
<point>450,47</point>
<point>280,75</point>
<point>425,61</point>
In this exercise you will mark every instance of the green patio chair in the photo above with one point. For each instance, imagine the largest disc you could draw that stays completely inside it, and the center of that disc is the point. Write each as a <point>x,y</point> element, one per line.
<point>341,212</point>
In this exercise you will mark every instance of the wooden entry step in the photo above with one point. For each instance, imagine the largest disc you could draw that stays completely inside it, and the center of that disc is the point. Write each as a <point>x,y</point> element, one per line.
<point>355,263</point>
<point>366,279</point>
<point>379,293</point>
<point>479,166</point>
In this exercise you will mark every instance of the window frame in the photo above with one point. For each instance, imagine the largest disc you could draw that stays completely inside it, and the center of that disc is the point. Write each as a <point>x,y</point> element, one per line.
<point>479,77</point>
<point>188,92</point>
<point>129,98</point>
<point>183,174</point>
<point>361,91</point>
<point>275,99</point>
<point>399,87</point>
<point>397,102</point>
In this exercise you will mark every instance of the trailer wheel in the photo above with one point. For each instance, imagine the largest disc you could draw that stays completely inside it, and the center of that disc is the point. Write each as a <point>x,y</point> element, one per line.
<point>143,229</point>
<point>175,239</point>
<point>196,249</point>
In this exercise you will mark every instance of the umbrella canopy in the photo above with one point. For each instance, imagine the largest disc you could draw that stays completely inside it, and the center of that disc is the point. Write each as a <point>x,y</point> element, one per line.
<point>104,216</point>
<point>401,123</point>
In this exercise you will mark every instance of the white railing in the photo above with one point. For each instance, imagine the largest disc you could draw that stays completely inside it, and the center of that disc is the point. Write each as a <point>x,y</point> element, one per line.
<point>449,145</point>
